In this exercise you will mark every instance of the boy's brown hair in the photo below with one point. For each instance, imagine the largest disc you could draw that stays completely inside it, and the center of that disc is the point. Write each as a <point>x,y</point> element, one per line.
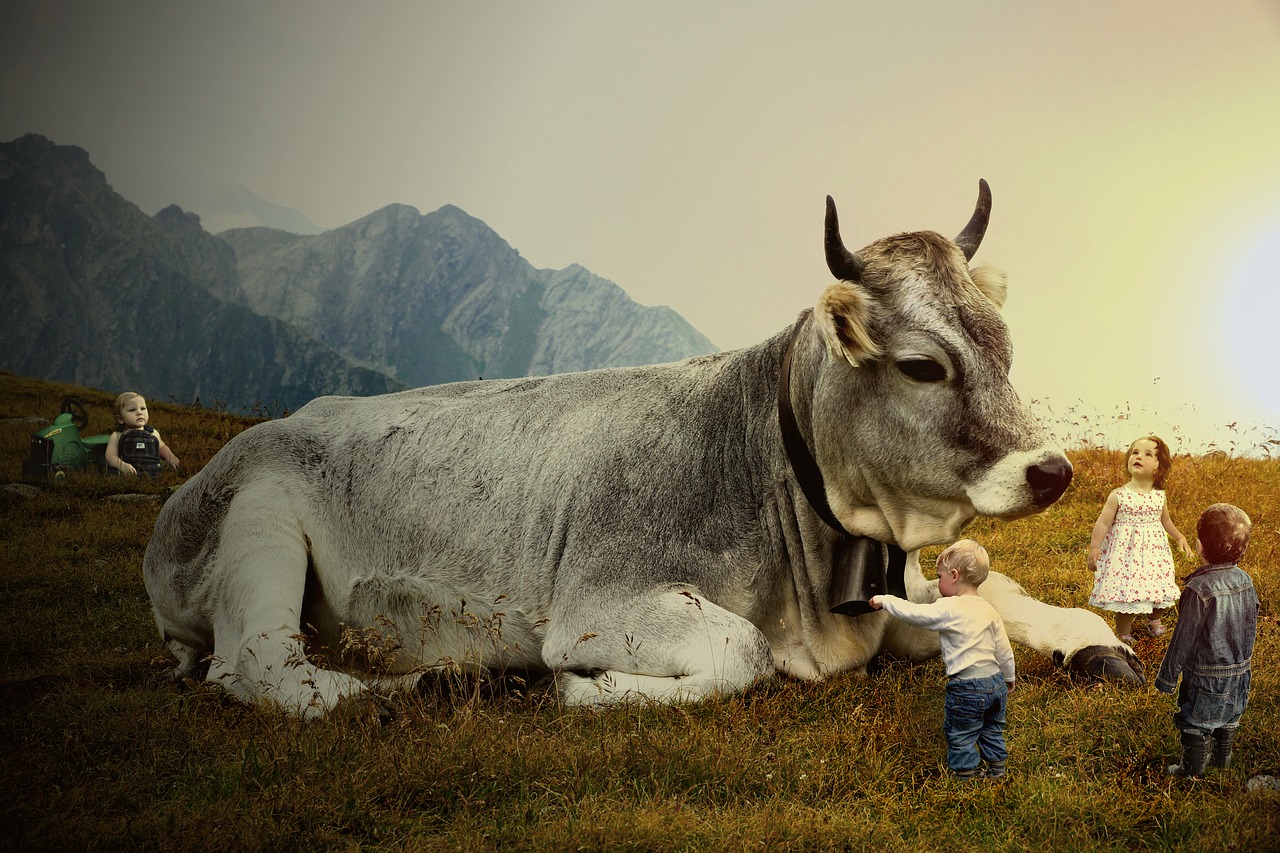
<point>1223,531</point>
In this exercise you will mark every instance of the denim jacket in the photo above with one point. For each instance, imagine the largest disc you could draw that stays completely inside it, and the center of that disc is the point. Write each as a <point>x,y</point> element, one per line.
<point>1217,627</point>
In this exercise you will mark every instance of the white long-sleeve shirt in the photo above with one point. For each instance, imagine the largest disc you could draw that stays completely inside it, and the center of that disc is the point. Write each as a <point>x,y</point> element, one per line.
<point>970,630</point>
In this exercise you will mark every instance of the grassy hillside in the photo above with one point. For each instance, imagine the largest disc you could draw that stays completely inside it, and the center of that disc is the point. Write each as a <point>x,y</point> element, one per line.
<point>99,750</point>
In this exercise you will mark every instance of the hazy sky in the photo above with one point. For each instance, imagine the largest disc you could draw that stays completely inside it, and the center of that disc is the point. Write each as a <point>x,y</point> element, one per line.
<point>684,151</point>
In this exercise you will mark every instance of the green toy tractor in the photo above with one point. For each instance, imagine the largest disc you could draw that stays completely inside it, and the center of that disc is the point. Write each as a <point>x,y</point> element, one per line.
<point>59,447</point>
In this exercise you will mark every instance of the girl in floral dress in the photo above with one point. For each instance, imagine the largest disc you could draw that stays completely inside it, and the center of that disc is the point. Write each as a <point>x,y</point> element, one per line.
<point>1129,552</point>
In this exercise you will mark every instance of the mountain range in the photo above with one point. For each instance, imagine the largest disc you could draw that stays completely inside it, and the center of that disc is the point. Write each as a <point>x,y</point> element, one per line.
<point>101,294</point>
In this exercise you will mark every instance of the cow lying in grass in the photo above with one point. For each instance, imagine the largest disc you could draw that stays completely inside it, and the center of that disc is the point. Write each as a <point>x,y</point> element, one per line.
<point>672,531</point>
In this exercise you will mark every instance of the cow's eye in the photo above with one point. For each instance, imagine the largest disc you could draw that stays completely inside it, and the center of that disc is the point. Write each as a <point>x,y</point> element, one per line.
<point>922,369</point>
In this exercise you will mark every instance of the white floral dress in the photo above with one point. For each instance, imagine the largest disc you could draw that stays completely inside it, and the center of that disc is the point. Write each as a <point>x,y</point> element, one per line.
<point>1135,568</point>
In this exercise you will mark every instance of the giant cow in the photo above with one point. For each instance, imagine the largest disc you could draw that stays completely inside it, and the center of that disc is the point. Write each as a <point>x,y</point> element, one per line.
<point>667,532</point>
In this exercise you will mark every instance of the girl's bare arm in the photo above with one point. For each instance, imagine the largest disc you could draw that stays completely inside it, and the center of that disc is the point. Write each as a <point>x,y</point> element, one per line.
<point>1100,527</point>
<point>1166,521</point>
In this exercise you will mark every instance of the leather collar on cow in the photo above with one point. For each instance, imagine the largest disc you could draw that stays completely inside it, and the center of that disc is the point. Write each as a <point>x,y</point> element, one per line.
<point>802,462</point>
<point>859,569</point>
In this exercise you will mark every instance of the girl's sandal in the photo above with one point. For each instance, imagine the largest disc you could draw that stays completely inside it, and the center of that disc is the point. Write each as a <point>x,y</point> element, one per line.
<point>1155,626</point>
<point>1126,638</point>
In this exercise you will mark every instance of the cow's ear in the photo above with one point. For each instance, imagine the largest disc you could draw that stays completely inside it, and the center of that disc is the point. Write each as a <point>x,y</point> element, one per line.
<point>843,316</point>
<point>992,282</point>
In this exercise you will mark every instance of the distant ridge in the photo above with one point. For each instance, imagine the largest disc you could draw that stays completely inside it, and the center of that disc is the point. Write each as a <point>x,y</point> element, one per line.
<point>238,207</point>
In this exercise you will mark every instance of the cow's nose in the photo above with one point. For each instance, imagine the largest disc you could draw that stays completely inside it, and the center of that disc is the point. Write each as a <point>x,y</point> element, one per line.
<point>1049,479</point>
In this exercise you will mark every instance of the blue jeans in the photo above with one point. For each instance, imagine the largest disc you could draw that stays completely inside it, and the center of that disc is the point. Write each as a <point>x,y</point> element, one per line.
<point>974,722</point>
<point>1207,702</point>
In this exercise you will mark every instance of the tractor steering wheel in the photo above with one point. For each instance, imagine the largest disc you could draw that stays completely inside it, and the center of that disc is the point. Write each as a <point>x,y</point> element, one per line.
<point>79,414</point>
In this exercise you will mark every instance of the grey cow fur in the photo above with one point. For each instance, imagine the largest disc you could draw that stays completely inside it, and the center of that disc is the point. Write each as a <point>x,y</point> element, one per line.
<point>636,531</point>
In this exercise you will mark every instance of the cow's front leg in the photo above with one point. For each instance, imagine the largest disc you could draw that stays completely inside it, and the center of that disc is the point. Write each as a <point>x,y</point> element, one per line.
<point>261,573</point>
<point>1072,637</point>
<point>667,645</point>
<point>1077,639</point>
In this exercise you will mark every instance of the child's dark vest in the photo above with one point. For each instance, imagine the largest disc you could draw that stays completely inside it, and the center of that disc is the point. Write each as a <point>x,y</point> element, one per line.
<point>141,449</point>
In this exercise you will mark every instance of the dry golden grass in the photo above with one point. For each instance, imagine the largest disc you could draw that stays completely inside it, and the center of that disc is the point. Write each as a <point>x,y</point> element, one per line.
<point>99,751</point>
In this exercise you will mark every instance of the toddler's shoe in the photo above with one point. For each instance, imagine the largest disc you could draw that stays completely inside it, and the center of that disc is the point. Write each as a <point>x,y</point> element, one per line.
<point>1155,626</point>
<point>1126,638</point>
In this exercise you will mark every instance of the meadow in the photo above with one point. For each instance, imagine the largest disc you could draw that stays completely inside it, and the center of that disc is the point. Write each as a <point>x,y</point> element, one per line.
<point>100,750</point>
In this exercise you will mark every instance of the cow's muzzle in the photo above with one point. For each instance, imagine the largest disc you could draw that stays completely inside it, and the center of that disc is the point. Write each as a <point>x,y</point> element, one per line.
<point>1049,479</point>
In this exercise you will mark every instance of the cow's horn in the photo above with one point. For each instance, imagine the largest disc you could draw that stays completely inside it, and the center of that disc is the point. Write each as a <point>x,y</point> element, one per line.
<point>971,237</point>
<point>843,264</point>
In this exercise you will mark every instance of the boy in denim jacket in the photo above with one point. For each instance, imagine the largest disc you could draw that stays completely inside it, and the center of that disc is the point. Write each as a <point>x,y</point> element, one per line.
<point>1213,643</point>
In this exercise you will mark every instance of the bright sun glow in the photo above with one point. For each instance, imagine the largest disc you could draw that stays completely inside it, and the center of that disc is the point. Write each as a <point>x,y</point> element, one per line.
<point>1251,321</point>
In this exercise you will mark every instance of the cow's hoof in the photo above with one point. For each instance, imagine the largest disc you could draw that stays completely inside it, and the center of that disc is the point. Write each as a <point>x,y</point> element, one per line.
<point>1108,663</point>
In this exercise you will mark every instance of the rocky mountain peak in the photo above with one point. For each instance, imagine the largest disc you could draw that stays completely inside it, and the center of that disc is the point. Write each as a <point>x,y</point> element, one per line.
<point>442,297</point>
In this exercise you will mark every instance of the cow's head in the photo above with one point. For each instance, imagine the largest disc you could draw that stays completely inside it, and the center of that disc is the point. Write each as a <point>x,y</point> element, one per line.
<point>915,426</point>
